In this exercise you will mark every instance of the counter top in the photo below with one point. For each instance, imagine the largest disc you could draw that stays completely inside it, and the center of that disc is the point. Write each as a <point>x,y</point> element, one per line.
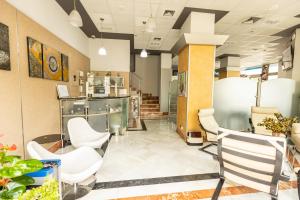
<point>93,98</point>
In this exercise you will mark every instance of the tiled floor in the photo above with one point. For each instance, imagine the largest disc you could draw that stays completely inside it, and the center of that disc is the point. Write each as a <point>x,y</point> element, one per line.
<point>160,152</point>
<point>157,152</point>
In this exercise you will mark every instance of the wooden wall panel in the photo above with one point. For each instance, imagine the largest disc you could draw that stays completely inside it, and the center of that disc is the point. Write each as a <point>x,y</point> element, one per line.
<point>183,63</point>
<point>40,107</point>
<point>10,101</point>
<point>201,80</point>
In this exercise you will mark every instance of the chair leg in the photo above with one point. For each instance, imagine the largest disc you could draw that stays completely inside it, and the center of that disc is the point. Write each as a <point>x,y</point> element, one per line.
<point>203,149</point>
<point>218,189</point>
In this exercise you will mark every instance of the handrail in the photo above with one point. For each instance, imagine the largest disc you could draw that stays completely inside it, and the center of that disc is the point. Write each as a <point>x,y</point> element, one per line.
<point>137,76</point>
<point>136,82</point>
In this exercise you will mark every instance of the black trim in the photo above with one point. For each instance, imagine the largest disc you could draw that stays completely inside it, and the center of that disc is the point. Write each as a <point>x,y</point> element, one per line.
<point>144,128</point>
<point>248,168</point>
<point>154,181</point>
<point>268,183</point>
<point>249,140</point>
<point>248,156</point>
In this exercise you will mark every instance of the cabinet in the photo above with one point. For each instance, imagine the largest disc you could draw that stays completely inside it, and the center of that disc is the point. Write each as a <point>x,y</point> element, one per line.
<point>103,114</point>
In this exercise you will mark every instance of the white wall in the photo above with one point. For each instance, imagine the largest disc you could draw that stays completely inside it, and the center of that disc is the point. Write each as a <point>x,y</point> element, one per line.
<point>165,78</point>
<point>117,58</point>
<point>149,70</point>
<point>51,16</point>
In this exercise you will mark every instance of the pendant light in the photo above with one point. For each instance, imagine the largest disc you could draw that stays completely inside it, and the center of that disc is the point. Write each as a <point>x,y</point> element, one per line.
<point>74,17</point>
<point>151,25</point>
<point>144,53</point>
<point>102,51</point>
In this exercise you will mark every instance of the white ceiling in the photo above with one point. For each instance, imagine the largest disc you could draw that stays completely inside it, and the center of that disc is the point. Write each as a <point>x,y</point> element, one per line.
<point>252,41</point>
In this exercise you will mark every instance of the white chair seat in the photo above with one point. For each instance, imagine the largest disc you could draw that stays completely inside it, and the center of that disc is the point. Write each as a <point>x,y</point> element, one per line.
<point>76,166</point>
<point>81,134</point>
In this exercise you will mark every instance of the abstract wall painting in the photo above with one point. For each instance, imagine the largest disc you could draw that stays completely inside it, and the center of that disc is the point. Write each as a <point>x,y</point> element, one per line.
<point>52,64</point>
<point>182,84</point>
<point>35,58</point>
<point>4,47</point>
<point>65,67</point>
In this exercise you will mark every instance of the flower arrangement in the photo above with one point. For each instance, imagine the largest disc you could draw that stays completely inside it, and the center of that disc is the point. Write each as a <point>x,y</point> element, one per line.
<point>13,170</point>
<point>279,124</point>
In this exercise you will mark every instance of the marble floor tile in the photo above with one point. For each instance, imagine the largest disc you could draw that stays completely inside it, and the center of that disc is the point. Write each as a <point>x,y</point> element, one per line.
<point>157,152</point>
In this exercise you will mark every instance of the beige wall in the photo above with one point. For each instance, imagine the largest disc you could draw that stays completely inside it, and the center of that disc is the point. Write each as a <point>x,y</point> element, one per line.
<point>149,70</point>
<point>40,107</point>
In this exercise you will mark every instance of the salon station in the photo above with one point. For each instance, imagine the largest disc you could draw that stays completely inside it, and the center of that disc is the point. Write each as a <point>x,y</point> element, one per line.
<point>149,99</point>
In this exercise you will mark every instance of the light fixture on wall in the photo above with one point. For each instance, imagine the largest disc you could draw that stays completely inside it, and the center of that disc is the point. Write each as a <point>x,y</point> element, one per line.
<point>144,53</point>
<point>102,51</point>
<point>74,17</point>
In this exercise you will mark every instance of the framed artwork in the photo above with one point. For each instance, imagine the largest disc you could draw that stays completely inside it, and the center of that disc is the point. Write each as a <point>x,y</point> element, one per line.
<point>65,67</point>
<point>4,47</point>
<point>182,84</point>
<point>35,58</point>
<point>52,67</point>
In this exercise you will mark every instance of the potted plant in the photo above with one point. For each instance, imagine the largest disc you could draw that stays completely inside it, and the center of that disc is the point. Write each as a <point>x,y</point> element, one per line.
<point>14,183</point>
<point>279,124</point>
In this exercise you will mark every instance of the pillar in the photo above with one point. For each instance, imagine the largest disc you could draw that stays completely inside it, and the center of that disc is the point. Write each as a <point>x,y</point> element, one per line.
<point>196,61</point>
<point>230,67</point>
<point>165,78</point>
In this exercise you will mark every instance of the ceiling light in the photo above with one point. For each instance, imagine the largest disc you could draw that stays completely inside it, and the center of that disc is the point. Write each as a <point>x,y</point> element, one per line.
<point>151,25</point>
<point>102,51</point>
<point>75,18</point>
<point>144,53</point>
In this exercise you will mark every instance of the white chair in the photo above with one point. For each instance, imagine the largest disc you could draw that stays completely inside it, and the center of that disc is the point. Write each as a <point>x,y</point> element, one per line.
<point>252,160</point>
<point>81,134</point>
<point>76,166</point>
<point>210,126</point>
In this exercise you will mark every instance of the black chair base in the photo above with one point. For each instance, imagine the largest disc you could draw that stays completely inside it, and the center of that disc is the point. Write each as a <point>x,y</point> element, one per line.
<point>203,149</point>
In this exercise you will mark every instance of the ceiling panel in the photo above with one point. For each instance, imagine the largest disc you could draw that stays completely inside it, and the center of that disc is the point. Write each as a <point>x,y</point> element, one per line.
<point>254,40</point>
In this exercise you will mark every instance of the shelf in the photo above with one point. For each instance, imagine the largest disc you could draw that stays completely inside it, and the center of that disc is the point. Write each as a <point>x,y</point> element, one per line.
<point>97,114</point>
<point>71,115</point>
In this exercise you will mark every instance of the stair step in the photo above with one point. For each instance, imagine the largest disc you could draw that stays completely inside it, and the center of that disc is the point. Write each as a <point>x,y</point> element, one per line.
<point>150,106</point>
<point>150,110</point>
<point>151,98</point>
<point>150,101</point>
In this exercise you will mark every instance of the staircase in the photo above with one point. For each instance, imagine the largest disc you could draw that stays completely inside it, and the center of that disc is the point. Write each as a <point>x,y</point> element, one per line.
<point>150,108</point>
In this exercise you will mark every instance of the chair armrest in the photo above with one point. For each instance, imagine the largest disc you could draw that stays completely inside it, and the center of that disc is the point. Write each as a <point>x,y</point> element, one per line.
<point>284,177</point>
<point>251,124</point>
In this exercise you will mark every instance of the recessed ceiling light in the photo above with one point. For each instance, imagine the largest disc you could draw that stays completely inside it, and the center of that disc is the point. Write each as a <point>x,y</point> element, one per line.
<point>251,20</point>
<point>169,13</point>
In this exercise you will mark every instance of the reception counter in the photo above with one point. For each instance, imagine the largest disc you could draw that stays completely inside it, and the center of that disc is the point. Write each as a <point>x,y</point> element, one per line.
<point>102,113</point>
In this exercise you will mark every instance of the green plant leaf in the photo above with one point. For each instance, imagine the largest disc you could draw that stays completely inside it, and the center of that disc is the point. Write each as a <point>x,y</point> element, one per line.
<point>10,172</point>
<point>13,193</point>
<point>24,180</point>
<point>11,159</point>
<point>28,166</point>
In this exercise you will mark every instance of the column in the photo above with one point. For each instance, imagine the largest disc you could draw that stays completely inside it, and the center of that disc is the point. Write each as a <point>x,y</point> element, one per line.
<point>165,78</point>
<point>229,67</point>
<point>196,52</point>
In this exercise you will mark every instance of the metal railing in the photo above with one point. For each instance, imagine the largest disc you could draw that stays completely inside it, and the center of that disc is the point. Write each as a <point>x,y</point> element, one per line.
<point>135,82</point>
